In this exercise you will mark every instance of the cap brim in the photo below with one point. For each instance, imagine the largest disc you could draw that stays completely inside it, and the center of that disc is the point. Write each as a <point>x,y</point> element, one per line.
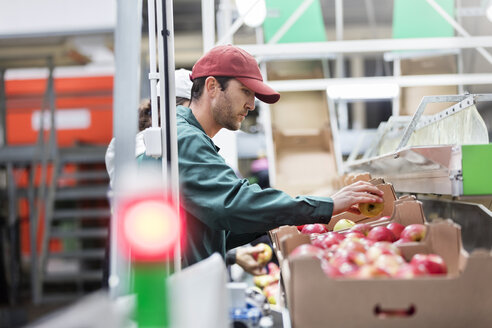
<point>262,91</point>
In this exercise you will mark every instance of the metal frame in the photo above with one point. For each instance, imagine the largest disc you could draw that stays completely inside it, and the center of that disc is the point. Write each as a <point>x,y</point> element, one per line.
<point>40,198</point>
<point>424,169</point>
<point>463,102</point>
<point>126,99</point>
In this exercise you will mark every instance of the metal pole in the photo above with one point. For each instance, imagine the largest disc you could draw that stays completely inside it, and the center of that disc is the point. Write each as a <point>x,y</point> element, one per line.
<point>173,131</point>
<point>458,28</point>
<point>126,99</point>
<point>340,70</point>
<point>153,75</point>
<point>395,111</point>
<point>3,109</point>
<point>208,24</point>
<point>41,199</point>
<point>164,89</point>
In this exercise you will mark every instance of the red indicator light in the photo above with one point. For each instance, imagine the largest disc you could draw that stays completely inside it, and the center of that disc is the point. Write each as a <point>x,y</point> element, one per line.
<point>148,228</point>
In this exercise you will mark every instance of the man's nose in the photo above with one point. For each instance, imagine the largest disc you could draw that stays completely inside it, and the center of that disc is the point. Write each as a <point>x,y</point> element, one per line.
<point>250,105</point>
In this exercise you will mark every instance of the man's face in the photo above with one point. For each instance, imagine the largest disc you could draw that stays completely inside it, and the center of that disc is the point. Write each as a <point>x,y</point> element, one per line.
<point>232,105</point>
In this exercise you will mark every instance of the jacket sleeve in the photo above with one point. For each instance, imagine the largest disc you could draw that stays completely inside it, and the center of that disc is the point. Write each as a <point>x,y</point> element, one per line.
<point>212,193</point>
<point>234,240</point>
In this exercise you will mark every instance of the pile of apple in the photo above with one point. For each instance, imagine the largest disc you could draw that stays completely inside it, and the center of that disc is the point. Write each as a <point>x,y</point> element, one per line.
<point>364,251</point>
<point>268,283</point>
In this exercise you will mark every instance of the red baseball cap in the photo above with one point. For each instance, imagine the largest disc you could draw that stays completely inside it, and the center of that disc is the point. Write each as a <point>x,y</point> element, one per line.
<point>235,62</point>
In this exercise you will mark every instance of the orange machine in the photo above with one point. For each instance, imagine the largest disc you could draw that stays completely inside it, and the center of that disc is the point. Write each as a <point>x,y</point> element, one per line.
<point>83,104</point>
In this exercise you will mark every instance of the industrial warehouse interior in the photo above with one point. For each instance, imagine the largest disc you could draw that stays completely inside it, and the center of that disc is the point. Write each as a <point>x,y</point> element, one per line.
<point>361,198</point>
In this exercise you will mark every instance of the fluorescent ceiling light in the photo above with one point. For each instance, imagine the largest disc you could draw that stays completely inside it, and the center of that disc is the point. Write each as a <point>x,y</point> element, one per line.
<point>363,91</point>
<point>253,12</point>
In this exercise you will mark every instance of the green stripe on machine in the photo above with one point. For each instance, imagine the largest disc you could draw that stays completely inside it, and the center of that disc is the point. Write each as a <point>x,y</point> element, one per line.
<point>477,169</point>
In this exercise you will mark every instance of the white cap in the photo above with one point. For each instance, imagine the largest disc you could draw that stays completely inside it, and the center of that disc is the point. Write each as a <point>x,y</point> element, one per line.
<point>183,83</point>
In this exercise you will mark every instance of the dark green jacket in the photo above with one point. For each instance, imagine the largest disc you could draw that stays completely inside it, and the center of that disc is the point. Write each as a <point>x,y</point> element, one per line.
<point>223,211</point>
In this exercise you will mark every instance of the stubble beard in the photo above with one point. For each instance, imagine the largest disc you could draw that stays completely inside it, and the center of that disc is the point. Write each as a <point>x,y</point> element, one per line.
<point>224,114</point>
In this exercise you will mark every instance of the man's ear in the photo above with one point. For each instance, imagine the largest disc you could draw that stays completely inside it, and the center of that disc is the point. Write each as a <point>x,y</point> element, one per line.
<point>212,86</point>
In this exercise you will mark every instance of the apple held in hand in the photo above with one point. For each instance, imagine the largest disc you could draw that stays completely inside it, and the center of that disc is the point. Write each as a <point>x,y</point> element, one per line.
<point>433,263</point>
<point>414,232</point>
<point>381,234</point>
<point>343,224</point>
<point>313,228</point>
<point>396,228</point>
<point>264,256</point>
<point>371,209</point>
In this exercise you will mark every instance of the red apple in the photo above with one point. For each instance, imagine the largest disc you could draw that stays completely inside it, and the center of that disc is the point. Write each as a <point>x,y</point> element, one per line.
<point>367,242</point>
<point>273,269</point>
<point>352,257</point>
<point>330,270</point>
<point>414,232</point>
<point>314,228</point>
<point>381,234</point>
<point>370,271</point>
<point>352,245</point>
<point>381,248</point>
<point>318,240</point>
<point>433,263</point>
<point>331,238</point>
<point>396,228</point>
<point>409,271</point>
<point>307,250</point>
<point>402,241</point>
<point>354,235</point>
<point>348,269</point>
<point>390,263</point>
<point>362,228</point>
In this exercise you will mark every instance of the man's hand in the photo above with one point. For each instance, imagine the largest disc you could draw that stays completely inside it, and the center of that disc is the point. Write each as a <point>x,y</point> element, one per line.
<point>246,260</point>
<point>347,198</point>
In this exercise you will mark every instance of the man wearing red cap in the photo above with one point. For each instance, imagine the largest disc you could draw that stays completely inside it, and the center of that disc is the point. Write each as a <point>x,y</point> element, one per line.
<point>223,211</point>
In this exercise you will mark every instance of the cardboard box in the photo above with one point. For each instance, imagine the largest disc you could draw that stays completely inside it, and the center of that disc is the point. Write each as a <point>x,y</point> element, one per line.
<point>463,298</point>
<point>405,210</point>
<point>303,143</point>
<point>429,65</point>
<point>412,96</point>
<point>294,70</point>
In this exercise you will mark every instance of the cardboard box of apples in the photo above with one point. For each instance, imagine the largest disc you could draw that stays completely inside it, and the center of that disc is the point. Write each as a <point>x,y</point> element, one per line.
<point>372,277</point>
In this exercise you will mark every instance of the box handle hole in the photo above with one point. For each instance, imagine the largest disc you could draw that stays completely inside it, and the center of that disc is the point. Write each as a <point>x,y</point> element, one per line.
<point>382,313</point>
